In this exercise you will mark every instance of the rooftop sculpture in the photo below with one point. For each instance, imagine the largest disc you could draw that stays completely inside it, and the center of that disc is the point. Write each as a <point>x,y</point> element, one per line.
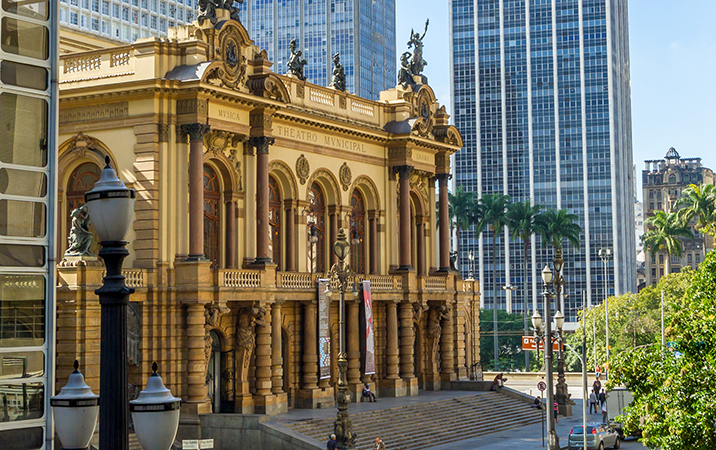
<point>296,62</point>
<point>412,64</point>
<point>339,74</point>
<point>208,9</point>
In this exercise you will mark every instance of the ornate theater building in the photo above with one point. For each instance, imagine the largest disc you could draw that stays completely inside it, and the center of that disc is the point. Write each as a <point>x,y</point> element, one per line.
<point>244,178</point>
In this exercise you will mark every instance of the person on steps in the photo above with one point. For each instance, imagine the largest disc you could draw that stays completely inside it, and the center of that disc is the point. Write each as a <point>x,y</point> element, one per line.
<point>379,445</point>
<point>332,444</point>
<point>367,393</point>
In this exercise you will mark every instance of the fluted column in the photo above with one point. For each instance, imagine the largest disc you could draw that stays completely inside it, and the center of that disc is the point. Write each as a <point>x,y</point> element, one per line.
<point>276,349</point>
<point>263,229</point>
<point>407,341</point>
<point>405,256</point>
<point>263,355</point>
<point>447,370</point>
<point>231,248</point>
<point>353,338</point>
<point>373,241</point>
<point>444,217</point>
<point>420,246</point>
<point>391,351</point>
<point>290,235</point>
<point>310,347</point>
<point>196,188</point>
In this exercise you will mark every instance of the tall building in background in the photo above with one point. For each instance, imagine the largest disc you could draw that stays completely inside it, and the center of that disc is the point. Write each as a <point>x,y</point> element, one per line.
<point>28,105</point>
<point>663,181</point>
<point>363,31</point>
<point>541,97</point>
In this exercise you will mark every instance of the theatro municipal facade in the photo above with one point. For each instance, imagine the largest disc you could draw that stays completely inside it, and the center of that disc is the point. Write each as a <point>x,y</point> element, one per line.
<point>244,177</point>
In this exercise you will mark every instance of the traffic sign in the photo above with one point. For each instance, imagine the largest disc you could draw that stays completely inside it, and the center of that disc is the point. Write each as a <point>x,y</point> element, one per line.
<point>528,343</point>
<point>542,386</point>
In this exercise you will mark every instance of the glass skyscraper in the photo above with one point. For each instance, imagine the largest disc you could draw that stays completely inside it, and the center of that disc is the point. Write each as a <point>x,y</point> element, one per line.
<point>541,96</point>
<point>362,31</point>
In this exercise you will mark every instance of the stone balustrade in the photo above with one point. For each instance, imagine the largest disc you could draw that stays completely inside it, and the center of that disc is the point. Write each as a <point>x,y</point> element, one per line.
<point>239,278</point>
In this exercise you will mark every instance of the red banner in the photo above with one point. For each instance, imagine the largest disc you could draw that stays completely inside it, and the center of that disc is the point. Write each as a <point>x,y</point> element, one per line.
<point>369,335</point>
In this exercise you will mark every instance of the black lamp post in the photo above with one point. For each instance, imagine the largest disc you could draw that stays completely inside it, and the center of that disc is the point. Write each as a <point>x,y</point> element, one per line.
<point>546,339</point>
<point>342,277</point>
<point>110,206</point>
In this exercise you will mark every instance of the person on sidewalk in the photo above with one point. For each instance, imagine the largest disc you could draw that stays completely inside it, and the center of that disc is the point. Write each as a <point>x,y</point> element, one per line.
<point>498,382</point>
<point>602,398</point>
<point>379,445</point>
<point>597,386</point>
<point>556,412</point>
<point>332,444</point>
<point>605,416</point>
<point>593,402</point>
<point>367,393</point>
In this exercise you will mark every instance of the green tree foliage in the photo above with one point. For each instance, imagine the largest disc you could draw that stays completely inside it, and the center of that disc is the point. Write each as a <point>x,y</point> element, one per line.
<point>663,233</point>
<point>460,207</point>
<point>511,355</point>
<point>699,201</point>
<point>675,393</point>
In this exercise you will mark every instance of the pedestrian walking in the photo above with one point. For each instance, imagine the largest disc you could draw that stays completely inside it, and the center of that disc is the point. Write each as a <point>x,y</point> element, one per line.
<point>605,416</point>
<point>556,412</point>
<point>332,444</point>
<point>593,402</point>
<point>602,398</point>
<point>379,445</point>
<point>597,386</point>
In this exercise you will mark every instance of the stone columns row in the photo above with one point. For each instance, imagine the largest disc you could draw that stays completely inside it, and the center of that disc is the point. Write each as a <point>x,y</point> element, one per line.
<point>444,218</point>
<point>263,228</point>
<point>196,188</point>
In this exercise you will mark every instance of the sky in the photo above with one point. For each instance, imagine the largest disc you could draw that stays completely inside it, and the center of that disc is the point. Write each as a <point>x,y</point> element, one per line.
<point>673,57</point>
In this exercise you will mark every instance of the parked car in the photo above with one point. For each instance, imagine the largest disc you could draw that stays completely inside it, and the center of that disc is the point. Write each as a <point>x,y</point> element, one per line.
<point>599,437</point>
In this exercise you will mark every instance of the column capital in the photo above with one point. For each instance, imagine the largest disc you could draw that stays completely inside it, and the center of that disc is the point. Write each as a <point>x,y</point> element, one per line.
<point>290,203</point>
<point>443,177</point>
<point>403,171</point>
<point>373,214</point>
<point>261,143</point>
<point>195,131</point>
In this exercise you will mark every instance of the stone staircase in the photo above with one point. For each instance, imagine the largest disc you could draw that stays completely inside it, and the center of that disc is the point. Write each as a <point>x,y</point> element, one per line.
<point>426,425</point>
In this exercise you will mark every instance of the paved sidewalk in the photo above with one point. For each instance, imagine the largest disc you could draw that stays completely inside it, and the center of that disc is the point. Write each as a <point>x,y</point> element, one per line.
<point>530,437</point>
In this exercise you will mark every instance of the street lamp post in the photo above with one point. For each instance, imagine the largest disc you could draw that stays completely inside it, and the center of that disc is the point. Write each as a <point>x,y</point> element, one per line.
<point>342,276</point>
<point>508,288</point>
<point>546,339</point>
<point>110,206</point>
<point>606,254</point>
<point>471,257</point>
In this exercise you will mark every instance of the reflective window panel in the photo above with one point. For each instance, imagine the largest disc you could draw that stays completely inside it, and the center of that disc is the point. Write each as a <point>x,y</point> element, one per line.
<point>22,365</point>
<point>22,401</point>
<point>12,255</point>
<point>25,38</point>
<point>23,75</point>
<point>23,130</point>
<point>21,182</point>
<point>22,439</point>
<point>22,310</point>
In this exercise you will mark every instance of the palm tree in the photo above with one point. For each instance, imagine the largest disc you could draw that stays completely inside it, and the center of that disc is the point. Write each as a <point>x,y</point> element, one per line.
<point>663,233</point>
<point>460,208</point>
<point>524,222</point>
<point>699,201</point>
<point>492,209</point>
<point>555,226</point>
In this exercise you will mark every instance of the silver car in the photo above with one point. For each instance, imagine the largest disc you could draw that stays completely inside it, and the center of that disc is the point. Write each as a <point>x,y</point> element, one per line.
<point>599,437</point>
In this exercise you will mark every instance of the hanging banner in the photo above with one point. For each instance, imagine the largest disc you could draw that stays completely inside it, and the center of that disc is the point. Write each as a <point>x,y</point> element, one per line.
<point>324,330</point>
<point>369,335</point>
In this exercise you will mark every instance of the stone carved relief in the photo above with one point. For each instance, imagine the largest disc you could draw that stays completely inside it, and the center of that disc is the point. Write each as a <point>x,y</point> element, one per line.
<point>246,323</point>
<point>232,71</point>
<point>418,311</point>
<point>92,113</point>
<point>345,176</point>
<point>80,239</point>
<point>212,318</point>
<point>419,183</point>
<point>236,162</point>
<point>433,330</point>
<point>303,169</point>
<point>423,126</point>
<point>400,153</point>
<point>217,142</point>
<point>228,377</point>
<point>191,106</point>
<point>81,143</point>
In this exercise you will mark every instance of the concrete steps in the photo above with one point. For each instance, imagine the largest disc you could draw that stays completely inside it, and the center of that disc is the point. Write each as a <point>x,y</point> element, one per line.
<point>429,424</point>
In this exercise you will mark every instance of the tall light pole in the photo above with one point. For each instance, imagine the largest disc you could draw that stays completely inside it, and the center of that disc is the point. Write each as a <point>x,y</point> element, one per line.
<point>508,288</point>
<point>606,254</point>
<point>342,277</point>
<point>471,257</point>
<point>110,204</point>
<point>546,338</point>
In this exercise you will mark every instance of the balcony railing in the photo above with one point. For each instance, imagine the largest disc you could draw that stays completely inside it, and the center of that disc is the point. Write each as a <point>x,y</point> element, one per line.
<point>240,278</point>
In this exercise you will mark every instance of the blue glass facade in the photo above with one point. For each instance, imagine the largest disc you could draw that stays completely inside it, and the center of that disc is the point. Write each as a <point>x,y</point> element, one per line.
<point>363,31</point>
<point>541,97</point>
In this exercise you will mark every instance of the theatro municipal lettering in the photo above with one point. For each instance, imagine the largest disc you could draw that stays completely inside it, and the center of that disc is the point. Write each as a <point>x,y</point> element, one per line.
<point>313,138</point>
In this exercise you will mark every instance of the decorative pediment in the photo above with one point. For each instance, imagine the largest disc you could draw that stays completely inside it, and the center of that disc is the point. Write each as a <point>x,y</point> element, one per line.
<point>449,135</point>
<point>269,85</point>
<point>228,44</point>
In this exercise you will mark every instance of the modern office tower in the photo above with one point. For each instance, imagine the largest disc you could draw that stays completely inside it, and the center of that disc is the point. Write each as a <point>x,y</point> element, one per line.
<point>126,20</point>
<point>541,96</point>
<point>362,31</point>
<point>663,181</point>
<point>28,103</point>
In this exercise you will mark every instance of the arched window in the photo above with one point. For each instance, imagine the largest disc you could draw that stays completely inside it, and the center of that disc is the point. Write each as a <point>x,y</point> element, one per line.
<point>357,232</point>
<point>275,220</point>
<point>672,178</point>
<point>212,216</point>
<point>81,180</point>
<point>316,229</point>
